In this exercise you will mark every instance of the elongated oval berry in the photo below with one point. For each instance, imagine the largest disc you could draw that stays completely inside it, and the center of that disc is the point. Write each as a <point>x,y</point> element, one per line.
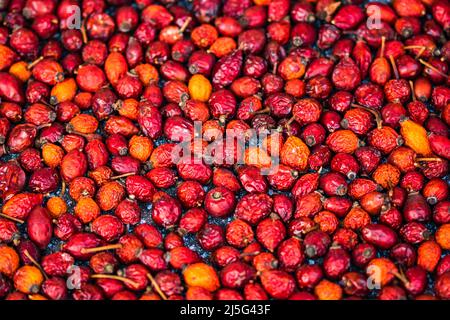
<point>39,226</point>
<point>415,137</point>
<point>379,235</point>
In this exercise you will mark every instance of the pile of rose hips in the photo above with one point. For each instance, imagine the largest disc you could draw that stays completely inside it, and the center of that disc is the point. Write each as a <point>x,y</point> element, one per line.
<point>94,96</point>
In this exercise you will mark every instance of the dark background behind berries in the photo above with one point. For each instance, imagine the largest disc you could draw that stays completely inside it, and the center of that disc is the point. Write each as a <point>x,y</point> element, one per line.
<point>190,239</point>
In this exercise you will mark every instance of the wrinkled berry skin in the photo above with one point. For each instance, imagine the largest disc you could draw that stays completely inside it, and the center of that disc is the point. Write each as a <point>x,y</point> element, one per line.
<point>236,275</point>
<point>224,150</point>
<point>336,262</point>
<point>442,286</point>
<point>279,284</point>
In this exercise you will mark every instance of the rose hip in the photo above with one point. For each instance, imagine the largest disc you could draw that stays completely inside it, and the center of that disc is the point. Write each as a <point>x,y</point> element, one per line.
<point>111,136</point>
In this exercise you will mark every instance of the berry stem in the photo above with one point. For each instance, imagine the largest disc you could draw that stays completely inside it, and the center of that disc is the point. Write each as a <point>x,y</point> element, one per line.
<point>383,43</point>
<point>394,67</point>
<point>35,62</point>
<point>11,218</point>
<point>83,32</point>
<point>102,248</point>
<point>123,175</point>
<point>28,255</point>
<point>428,159</point>
<point>185,25</point>
<point>63,187</point>
<point>400,276</point>
<point>114,277</point>
<point>156,286</point>
<point>377,115</point>
<point>426,64</point>
<point>411,84</point>
<point>265,110</point>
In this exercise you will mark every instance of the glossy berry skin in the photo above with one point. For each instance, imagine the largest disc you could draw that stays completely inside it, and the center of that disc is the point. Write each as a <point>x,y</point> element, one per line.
<point>224,150</point>
<point>219,202</point>
<point>316,244</point>
<point>380,236</point>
